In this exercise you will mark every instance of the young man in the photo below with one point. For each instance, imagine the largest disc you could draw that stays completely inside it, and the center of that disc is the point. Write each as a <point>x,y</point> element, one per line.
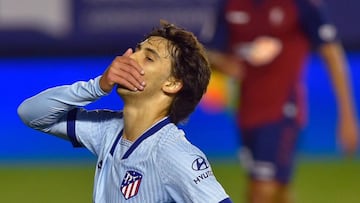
<point>142,155</point>
<point>268,42</point>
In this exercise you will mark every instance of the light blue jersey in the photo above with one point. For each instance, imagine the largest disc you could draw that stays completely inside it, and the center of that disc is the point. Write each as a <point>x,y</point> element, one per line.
<point>160,166</point>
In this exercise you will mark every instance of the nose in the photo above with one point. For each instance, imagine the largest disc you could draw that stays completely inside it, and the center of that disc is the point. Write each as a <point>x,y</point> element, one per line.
<point>134,56</point>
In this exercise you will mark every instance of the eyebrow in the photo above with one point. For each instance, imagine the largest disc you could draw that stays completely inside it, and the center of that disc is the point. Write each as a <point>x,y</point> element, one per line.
<point>152,51</point>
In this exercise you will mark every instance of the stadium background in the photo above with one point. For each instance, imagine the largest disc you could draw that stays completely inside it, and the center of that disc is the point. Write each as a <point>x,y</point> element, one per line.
<point>48,43</point>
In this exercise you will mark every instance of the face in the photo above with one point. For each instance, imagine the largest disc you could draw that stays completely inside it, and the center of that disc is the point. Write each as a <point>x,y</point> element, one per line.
<point>154,56</point>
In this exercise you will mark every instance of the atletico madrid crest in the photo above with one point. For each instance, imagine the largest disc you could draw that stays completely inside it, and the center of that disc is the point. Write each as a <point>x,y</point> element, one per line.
<point>130,184</point>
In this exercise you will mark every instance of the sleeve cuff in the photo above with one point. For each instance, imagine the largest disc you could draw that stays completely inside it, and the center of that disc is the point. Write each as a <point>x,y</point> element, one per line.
<point>227,200</point>
<point>98,89</point>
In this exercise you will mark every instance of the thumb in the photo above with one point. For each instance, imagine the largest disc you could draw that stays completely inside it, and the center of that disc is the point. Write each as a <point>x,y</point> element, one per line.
<point>128,52</point>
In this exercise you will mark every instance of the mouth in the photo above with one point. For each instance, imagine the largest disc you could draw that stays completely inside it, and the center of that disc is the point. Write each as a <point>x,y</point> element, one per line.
<point>118,86</point>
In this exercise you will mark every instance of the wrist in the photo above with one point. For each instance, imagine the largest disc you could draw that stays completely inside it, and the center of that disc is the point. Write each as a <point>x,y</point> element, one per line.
<point>102,87</point>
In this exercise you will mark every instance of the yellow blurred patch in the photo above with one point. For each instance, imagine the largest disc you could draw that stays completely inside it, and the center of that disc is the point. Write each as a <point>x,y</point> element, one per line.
<point>222,93</point>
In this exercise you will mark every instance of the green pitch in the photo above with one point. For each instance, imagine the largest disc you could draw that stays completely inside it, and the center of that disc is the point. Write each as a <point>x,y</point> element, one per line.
<point>316,180</point>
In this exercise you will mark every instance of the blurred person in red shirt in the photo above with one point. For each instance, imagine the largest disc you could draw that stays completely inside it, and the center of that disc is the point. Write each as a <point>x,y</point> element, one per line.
<point>266,48</point>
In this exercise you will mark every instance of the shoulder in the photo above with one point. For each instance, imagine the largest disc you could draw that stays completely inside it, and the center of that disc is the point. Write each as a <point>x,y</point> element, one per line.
<point>174,142</point>
<point>176,152</point>
<point>185,170</point>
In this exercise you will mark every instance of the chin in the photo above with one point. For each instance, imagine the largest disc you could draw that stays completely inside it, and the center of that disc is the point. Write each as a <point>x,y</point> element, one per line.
<point>121,90</point>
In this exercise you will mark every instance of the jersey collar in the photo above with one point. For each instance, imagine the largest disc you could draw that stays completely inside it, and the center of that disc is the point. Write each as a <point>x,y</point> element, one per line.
<point>145,135</point>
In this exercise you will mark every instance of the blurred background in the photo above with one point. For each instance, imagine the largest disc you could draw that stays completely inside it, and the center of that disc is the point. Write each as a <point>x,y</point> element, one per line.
<point>44,43</point>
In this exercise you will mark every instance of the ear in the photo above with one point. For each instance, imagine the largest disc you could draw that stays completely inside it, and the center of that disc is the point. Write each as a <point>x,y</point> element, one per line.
<point>172,85</point>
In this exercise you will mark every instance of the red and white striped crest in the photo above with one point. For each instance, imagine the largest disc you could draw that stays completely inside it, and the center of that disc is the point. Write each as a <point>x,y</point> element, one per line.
<point>130,184</point>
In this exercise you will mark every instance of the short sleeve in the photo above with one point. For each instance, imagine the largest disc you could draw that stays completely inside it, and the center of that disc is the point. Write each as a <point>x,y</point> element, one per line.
<point>187,173</point>
<point>316,22</point>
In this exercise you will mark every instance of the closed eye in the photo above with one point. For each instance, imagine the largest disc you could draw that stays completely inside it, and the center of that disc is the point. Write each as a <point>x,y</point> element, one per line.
<point>150,54</point>
<point>149,59</point>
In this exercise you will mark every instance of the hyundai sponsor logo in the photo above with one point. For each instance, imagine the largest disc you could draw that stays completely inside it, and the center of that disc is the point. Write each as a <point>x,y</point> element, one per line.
<point>200,164</point>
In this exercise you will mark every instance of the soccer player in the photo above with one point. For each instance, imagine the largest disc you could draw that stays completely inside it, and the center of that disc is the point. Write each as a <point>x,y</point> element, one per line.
<point>142,155</point>
<point>268,42</point>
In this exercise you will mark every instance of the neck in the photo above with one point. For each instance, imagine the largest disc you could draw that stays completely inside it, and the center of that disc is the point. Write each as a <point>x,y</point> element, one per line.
<point>137,119</point>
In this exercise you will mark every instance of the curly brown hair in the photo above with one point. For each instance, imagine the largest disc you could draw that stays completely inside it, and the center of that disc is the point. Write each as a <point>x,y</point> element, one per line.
<point>189,65</point>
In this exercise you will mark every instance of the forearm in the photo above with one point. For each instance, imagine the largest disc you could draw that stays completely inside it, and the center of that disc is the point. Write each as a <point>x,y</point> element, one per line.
<point>47,107</point>
<point>225,64</point>
<point>338,69</point>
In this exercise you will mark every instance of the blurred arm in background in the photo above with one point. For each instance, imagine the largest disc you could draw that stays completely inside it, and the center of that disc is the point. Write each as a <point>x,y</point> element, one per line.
<point>348,131</point>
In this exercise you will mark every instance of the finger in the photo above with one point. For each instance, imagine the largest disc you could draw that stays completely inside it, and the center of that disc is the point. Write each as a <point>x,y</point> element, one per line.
<point>129,82</point>
<point>132,67</point>
<point>127,72</point>
<point>352,147</point>
<point>128,52</point>
<point>132,63</point>
<point>123,83</point>
<point>350,144</point>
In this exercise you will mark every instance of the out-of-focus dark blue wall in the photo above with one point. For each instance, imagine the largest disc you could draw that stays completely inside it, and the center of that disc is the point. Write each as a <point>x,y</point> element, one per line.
<point>345,15</point>
<point>103,27</point>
